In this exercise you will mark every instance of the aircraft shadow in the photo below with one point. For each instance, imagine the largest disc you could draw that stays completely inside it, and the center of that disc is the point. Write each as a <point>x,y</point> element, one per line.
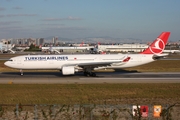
<point>35,74</point>
<point>126,71</point>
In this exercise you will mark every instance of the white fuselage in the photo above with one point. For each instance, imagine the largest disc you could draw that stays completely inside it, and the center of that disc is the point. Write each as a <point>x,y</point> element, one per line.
<point>58,61</point>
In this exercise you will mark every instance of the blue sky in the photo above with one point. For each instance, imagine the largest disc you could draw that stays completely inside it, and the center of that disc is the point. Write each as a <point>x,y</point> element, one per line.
<point>142,19</point>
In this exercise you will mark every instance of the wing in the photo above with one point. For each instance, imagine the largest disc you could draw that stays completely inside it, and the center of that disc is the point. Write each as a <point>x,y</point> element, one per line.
<point>100,63</point>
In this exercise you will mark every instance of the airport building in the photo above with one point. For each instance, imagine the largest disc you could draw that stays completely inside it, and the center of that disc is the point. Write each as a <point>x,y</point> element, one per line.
<point>66,49</point>
<point>123,47</point>
<point>100,48</point>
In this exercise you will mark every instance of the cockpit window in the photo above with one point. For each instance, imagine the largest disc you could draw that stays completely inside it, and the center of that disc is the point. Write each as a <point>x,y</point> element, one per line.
<point>10,60</point>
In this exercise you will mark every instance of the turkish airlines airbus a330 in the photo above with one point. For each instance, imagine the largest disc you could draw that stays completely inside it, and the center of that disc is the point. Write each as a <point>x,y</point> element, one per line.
<point>69,64</point>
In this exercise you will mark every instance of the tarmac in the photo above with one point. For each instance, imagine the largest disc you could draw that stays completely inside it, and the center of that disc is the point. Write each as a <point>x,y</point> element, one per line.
<point>79,78</point>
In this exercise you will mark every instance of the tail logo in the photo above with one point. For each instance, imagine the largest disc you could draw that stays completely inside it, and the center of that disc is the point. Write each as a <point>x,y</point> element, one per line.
<point>157,47</point>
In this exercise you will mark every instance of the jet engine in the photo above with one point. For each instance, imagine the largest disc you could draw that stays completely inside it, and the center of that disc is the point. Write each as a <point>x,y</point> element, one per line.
<point>68,70</point>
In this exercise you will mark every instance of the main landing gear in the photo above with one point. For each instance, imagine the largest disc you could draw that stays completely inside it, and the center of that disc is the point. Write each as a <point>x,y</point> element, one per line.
<point>88,74</point>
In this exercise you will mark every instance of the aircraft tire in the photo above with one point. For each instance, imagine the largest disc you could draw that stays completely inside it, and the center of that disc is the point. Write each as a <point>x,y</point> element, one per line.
<point>86,74</point>
<point>93,74</point>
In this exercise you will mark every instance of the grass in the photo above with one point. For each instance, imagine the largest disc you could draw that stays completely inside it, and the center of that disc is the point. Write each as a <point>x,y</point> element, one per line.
<point>159,66</point>
<point>90,93</point>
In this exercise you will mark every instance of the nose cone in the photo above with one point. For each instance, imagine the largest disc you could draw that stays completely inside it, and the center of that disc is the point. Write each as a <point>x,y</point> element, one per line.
<point>6,63</point>
<point>9,64</point>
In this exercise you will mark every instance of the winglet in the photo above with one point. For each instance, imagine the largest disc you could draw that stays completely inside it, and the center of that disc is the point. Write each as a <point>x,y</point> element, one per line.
<point>158,45</point>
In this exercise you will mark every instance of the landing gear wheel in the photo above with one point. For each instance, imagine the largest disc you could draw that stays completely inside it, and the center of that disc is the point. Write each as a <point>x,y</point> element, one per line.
<point>21,72</point>
<point>89,74</point>
<point>93,74</point>
<point>86,74</point>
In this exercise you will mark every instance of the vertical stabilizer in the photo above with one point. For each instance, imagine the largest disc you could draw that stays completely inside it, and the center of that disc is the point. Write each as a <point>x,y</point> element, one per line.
<point>158,45</point>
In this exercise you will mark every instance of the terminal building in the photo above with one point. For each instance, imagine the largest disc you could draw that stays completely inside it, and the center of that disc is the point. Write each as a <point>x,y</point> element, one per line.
<point>123,47</point>
<point>100,48</point>
<point>59,49</point>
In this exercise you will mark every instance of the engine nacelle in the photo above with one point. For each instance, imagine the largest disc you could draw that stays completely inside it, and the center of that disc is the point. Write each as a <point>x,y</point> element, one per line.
<point>70,70</point>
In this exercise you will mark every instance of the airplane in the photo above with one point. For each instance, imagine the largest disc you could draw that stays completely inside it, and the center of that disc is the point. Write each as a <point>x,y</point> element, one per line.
<point>53,50</point>
<point>5,48</point>
<point>80,45</point>
<point>171,51</point>
<point>87,63</point>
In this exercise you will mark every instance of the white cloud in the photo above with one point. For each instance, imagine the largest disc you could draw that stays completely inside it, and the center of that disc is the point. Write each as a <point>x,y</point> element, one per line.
<point>59,19</point>
<point>51,24</point>
<point>9,22</point>
<point>17,15</point>
<point>73,18</point>
<point>10,28</point>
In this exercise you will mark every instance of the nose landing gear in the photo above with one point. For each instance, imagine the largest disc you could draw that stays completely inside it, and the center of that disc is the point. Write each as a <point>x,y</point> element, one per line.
<point>21,72</point>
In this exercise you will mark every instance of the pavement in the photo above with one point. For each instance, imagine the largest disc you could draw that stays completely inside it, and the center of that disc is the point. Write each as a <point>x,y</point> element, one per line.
<point>102,77</point>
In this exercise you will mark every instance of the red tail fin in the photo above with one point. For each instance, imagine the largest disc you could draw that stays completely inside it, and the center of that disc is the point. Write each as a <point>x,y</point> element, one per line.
<point>81,44</point>
<point>158,45</point>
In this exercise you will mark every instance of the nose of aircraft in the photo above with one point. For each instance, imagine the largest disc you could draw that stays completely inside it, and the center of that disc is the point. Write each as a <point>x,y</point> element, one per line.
<point>6,63</point>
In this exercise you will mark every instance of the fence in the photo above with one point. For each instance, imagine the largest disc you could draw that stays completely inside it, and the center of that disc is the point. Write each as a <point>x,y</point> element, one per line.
<point>86,112</point>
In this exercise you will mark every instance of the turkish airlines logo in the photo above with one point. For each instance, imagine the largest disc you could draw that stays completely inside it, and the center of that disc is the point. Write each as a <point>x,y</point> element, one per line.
<point>158,46</point>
